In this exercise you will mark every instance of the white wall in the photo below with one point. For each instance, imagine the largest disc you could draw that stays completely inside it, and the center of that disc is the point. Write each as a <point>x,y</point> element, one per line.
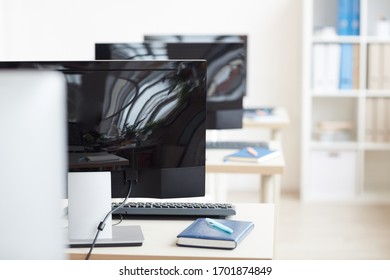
<point>68,29</point>
<point>2,28</point>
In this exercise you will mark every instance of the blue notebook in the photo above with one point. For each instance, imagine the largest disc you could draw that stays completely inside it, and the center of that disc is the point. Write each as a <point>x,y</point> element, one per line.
<point>201,234</point>
<point>250,154</point>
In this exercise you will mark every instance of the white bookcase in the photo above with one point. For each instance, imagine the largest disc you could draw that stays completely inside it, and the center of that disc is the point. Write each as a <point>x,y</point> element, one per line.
<point>347,165</point>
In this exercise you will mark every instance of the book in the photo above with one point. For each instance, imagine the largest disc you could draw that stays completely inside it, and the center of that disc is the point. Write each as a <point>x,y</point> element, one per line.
<point>370,119</point>
<point>356,65</point>
<point>375,67</point>
<point>335,125</point>
<point>388,119</point>
<point>326,66</point>
<point>386,67</point>
<point>332,71</point>
<point>255,155</point>
<point>380,111</point>
<point>346,66</point>
<point>355,17</point>
<point>201,234</point>
<point>254,113</point>
<point>319,67</point>
<point>344,17</point>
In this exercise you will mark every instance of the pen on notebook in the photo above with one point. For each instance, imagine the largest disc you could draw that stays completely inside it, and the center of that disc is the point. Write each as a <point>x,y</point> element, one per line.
<point>251,151</point>
<point>218,226</point>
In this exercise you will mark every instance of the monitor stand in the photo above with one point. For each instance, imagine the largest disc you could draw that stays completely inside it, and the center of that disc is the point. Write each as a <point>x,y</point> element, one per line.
<point>89,201</point>
<point>121,236</point>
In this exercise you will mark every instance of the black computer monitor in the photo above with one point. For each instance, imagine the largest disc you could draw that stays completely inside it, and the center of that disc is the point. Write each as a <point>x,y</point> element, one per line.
<point>226,72</point>
<point>200,38</point>
<point>145,120</point>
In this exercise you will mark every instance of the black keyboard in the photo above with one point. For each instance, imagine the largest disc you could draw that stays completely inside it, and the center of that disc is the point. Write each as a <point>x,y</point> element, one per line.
<point>175,209</point>
<point>234,144</point>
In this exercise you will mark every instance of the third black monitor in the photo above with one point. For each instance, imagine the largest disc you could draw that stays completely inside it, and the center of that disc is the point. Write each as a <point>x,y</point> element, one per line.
<point>226,72</point>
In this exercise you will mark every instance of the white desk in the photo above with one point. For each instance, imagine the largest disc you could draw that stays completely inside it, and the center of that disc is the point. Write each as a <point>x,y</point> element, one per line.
<point>275,122</point>
<point>160,239</point>
<point>269,171</point>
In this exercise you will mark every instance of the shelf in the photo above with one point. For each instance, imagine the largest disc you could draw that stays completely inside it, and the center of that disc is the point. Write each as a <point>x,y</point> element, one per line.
<point>337,40</point>
<point>336,93</point>
<point>331,146</point>
<point>377,93</point>
<point>377,146</point>
<point>377,40</point>
<point>324,102</point>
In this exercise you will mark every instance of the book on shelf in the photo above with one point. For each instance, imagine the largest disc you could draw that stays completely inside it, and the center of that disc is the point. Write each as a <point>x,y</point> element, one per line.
<point>377,126</point>
<point>388,120</point>
<point>202,233</point>
<point>319,66</point>
<point>326,65</point>
<point>335,66</point>
<point>375,67</point>
<point>348,17</point>
<point>335,125</point>
<point>346,67</point>
<point>380,111</point>
<point>356,66</point>
<point>334,131</point>
<point>343,17</point>
<point>253,154</point>
<point>386,66</point>
<point>370,122</point>
<point>355,17</point>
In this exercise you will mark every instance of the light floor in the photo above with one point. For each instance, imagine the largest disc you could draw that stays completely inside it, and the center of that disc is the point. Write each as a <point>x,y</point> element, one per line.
<point>328,230</point>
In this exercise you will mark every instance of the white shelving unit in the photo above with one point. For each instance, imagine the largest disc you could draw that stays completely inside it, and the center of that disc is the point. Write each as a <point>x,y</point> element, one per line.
<point>353,169</point>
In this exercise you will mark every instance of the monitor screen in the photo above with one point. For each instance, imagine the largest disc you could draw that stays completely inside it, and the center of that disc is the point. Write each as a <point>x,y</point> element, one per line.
<point>143,119</point>
<point>200,38</point>
<point>226,72</point>
<point>205,38</point>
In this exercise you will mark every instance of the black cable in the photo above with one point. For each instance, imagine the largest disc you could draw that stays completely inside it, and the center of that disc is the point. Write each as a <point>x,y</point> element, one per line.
<point>120,221</point>
<point>103,223</point>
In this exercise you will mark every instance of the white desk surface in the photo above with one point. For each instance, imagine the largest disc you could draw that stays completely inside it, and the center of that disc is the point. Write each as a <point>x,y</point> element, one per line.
<point>279,119</point>
<point>216,164</point>
<point>160,239</point>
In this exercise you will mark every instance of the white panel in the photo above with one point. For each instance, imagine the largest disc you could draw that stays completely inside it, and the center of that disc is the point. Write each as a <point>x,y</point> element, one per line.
<point>332,174</point>
<point>89,196</point>
<point>32,164</point>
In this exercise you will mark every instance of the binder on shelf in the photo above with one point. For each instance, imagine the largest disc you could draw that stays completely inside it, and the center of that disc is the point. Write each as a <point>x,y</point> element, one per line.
<point>386,67</point>
<point>388,120</point>
<point>375,67</point>
<point>370,120</point>
<point>348,17</point>
<point>380,111</point>
<point>344,18</point>
<point>332,74</point>
<point>356,65</point>
<point>346,66</point>
<point>326,66</point>
<point>319,66</point>
<point>355,17</point>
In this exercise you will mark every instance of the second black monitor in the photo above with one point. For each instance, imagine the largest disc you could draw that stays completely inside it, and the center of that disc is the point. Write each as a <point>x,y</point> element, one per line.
<point>226,72</point>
